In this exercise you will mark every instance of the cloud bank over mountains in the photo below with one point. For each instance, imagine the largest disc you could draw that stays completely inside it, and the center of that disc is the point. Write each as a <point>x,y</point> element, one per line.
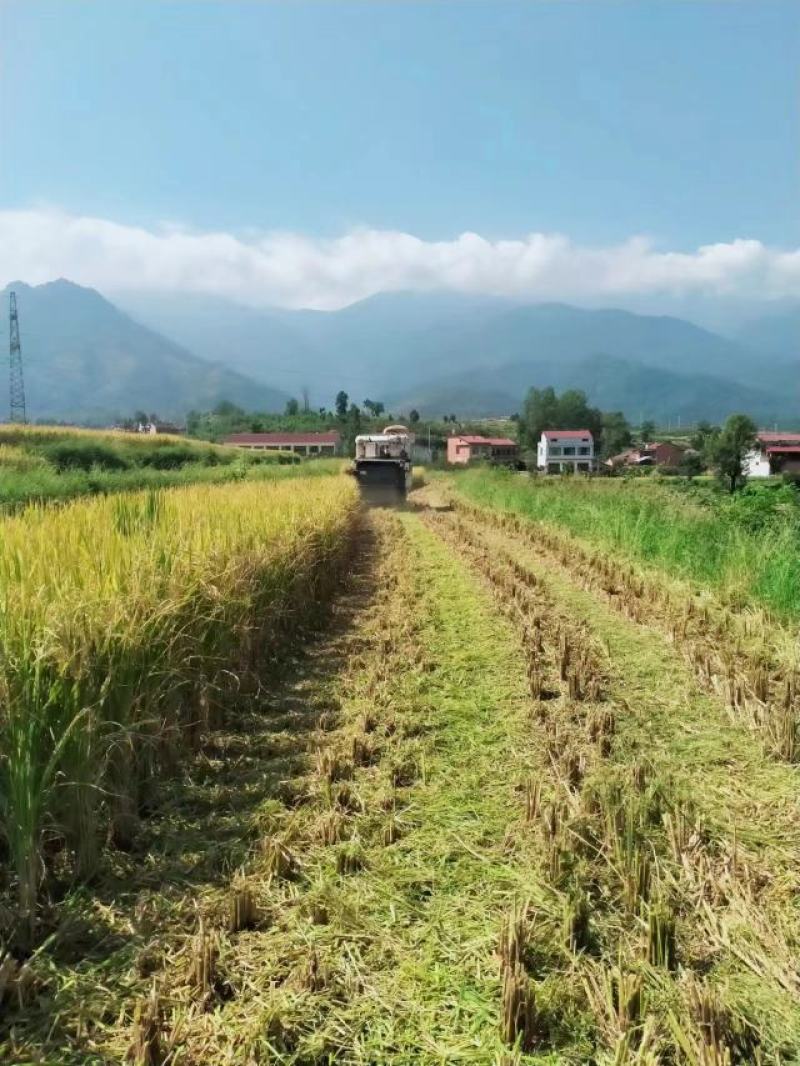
<point>292,270</point>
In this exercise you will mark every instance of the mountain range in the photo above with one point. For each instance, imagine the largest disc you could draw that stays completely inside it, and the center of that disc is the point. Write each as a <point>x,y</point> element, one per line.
<point>89,358</point>
<point>86,360</point>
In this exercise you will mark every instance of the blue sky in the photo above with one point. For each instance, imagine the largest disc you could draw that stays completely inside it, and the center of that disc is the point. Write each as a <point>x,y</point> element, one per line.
<point>595,120</point>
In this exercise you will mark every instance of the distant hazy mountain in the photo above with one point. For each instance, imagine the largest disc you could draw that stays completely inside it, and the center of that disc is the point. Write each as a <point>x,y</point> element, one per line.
<point>478,355</point>
<point>370,347</point>
<point>612,384</point>
<point>84,359</point>
<point>437,352</point>
<point>777,333</point>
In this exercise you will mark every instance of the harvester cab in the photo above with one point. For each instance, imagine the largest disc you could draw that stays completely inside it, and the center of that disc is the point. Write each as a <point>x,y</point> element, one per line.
<point>382,464</point>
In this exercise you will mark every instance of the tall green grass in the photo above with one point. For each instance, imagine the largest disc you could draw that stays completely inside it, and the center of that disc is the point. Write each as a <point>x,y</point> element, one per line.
<point>122,620</point>
<point>746,548</point>
<point>27,478</point>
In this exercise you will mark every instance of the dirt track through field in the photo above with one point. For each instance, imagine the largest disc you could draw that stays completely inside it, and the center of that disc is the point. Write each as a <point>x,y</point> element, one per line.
<point>480,809</point>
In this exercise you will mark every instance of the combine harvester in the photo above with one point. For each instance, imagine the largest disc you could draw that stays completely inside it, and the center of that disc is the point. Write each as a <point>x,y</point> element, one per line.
<point>382,464</point>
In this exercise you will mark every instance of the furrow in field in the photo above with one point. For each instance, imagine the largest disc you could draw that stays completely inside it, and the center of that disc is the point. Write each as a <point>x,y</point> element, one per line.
<point>329,878</point>
<point>742,656</point>
<point>684,837</point>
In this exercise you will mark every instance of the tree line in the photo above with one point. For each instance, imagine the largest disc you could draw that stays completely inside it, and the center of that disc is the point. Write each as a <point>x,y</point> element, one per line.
<point>723,449</point>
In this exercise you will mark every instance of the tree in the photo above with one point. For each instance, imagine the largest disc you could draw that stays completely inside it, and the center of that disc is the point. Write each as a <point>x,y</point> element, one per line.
<point>453,418</point>
<point>341,404</point>
<point>691,464</point>
<point>413,416</point>
<point>617,434</point>
<point>543,409</point>
<point>292,407</point>
<point>375,407</point>
<point>647,432</point>
<point>701,437</point>
<point>726,452</point>
<point>226,409</point>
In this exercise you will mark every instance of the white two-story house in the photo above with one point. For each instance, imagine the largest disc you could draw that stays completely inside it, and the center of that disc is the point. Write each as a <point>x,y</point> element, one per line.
<point>566,451</point>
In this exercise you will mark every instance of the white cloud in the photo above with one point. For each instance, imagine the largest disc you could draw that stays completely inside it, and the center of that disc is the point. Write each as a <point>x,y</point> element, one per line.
<point>284,269</point>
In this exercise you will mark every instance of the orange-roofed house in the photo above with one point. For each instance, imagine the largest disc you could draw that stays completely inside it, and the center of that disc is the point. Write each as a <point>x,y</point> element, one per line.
<point>464,450</point>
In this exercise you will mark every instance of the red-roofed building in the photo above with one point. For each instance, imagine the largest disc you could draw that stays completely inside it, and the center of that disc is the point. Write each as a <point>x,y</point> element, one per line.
<point>776,452</point>
<point>463,450</point>
<point>565,451</point>
<point>657,453</point>
<point>302,443</point>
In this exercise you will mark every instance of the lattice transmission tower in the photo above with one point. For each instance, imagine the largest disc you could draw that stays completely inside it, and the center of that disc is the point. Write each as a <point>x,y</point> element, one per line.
<point>16,383</point>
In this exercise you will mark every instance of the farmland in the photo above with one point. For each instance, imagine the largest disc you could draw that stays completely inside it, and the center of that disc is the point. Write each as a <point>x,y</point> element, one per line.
<point>44,464</point>
<point>486,780</point>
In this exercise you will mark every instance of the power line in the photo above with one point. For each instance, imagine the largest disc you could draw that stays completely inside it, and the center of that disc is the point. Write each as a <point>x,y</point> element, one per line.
<point>16,383</point>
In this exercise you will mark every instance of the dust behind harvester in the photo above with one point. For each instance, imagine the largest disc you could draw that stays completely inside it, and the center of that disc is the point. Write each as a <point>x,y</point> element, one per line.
<point>382,465</point>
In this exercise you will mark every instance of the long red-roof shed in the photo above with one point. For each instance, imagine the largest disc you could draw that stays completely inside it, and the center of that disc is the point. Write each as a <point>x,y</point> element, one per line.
<point>331,437</point>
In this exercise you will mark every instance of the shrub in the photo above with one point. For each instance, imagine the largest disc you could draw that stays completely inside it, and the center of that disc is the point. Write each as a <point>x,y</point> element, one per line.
<point>84,455</point>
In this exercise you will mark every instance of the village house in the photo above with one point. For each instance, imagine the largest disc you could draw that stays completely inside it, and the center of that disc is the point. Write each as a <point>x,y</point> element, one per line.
<point>153,428</point>
<point>463,450</point>
<point>565,451</point>
<point>308,444</point>
<point>658,453</point>
<point>776,452</point>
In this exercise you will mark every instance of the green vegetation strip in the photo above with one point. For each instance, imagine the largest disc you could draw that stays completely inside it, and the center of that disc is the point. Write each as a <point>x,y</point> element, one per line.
<point>747,549</point>
<point>735,897</point>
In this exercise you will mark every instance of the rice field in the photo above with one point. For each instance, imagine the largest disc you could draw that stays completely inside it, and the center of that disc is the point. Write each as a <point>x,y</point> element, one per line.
<point>53,464</point>
<point>287,781</point>
<point>121,622</point>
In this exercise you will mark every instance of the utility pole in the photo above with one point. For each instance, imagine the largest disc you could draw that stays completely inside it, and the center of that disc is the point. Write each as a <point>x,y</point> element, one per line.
<point>16,384</point>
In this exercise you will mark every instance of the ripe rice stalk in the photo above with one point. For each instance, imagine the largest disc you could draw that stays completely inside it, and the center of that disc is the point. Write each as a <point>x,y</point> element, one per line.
<point>203,962</point>
<point>111,609</point>
<point>514,935</point>
<point>350,858</point>
<point>617,999</point>
<point>331,827</point>
<point>278,859</point>
<point>242,908</point>
<point>391,832</point>
<point>148,1023</point>
<point>533,799</point>
<point>519,1022</point>
<point>313,974</point>
<point>576,921</point>
<point>662,950</point>
<point>711,1034</point>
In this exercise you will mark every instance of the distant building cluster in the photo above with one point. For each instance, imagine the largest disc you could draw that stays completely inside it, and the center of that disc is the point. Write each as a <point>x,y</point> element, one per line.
<point>776,452</point>
<point>658,453</point>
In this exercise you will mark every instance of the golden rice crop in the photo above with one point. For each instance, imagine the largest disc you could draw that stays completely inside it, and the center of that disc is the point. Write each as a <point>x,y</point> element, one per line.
<point>30,436</point>
<point>123,622</point>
